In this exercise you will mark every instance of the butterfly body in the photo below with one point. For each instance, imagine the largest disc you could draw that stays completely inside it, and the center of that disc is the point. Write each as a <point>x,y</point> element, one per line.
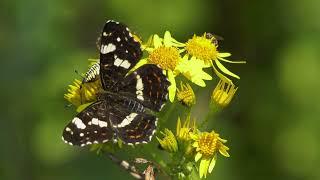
<point>124,110</point>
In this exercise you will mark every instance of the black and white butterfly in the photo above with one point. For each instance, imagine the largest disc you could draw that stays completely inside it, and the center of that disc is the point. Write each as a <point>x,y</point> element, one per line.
<point>125,109</point>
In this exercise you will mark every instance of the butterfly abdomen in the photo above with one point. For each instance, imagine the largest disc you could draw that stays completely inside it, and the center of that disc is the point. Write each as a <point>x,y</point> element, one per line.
<point>92,73</point>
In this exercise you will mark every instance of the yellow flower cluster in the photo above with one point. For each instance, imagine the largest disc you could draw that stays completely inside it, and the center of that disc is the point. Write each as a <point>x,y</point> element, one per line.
<point>188,59</point>
<point>191,142</point>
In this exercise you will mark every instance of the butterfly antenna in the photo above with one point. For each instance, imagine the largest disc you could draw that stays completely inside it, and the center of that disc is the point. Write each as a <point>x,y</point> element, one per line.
<point>77,72</point>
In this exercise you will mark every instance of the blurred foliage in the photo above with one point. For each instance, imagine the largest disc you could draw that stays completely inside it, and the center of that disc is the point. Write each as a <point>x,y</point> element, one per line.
<point>272,124</point>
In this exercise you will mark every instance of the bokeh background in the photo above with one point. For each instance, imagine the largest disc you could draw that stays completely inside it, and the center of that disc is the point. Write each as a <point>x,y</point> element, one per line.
<point>272,124</point>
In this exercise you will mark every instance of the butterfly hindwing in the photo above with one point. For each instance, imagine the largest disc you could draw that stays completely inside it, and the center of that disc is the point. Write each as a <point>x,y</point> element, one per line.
<point>100,122</point>
<point>149,85</point>
<point>119,52</point>
<point>90,126</point>
<point>140,129</point>
<point>132,127</point>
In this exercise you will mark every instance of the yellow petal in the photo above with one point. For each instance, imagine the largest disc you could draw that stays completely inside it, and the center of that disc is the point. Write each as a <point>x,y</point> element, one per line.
<point>157,41</point>
<point>198,82</point>
<point>194,136</point>
<point>195,144</point>
<point>203,168</point>
<point>224,152</point>
<point>167,39</point>
<point>212,163</point>
<point>234,62</point>
<point>83,106</point>
<point>139,64</point>
<point>193,70</point>
<point>197,157</point>
<point>221,76</point>
<point>172,88</point>
<point>225,70</point>
<point>222,140</point>
<point>224,54</point>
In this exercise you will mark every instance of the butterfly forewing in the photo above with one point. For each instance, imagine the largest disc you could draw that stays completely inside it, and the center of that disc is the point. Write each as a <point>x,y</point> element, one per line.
<point>119,52</point>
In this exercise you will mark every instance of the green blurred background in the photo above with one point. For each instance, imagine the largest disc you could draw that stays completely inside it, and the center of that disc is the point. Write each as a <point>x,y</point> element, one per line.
<point>272,124</point>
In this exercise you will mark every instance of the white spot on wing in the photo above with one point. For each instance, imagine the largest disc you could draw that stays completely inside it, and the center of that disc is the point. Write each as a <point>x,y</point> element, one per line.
<point>125,64</point>
<point>78,122</point>
<point>106,34</point>
<point>107,48</point>
<point>127,120</point>
<point>117,62</point>
<point>95,121</point>
<point>139,85</point>
<point>139,88</point>
<point>81,134</point>
<point>103,124</point>
<point>118,39</point>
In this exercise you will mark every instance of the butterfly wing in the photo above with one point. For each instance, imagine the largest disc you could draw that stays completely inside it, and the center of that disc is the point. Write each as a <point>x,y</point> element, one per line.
<point>90,126</point>
<point>132,127</point>
<point>119,52</point>
<point>147,84</point>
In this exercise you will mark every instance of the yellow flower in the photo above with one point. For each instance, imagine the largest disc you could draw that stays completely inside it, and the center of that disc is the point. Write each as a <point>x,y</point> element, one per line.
<point>186,95</point>
<point>207,146</point>
<point>168,142</point>
<point>82,93</point>
<point>223,93</point>
<point>183,131</point>
<point>202,48</point>
<point>192,69</point>
<point>165,53</point>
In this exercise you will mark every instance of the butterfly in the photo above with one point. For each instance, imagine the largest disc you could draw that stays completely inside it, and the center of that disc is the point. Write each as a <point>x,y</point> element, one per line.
<point>126,108</point>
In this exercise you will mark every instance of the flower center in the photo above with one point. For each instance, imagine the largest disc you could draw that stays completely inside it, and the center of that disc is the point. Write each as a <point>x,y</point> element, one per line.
<point>202,48</point>
<point>208,143</point>
<point>166,57</point>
